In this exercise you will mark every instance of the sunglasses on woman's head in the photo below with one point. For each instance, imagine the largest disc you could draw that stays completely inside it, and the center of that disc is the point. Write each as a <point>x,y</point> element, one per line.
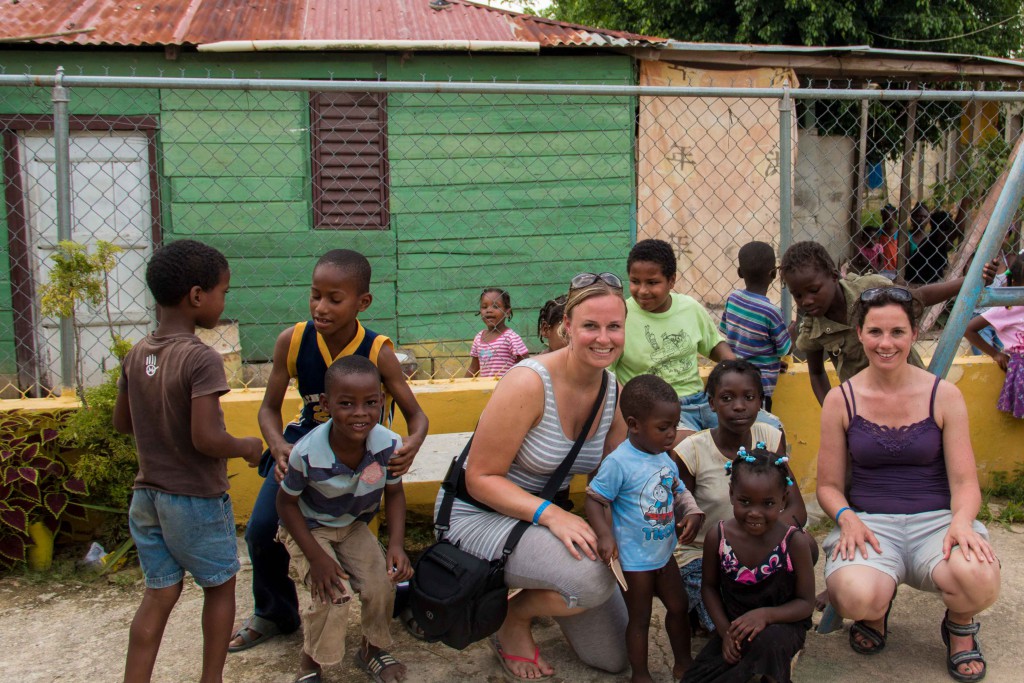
<point>586,279</point>
<point>897,294</point>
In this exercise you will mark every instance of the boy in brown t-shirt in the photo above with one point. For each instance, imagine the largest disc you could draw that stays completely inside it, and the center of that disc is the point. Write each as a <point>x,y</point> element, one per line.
<point>180,516</point>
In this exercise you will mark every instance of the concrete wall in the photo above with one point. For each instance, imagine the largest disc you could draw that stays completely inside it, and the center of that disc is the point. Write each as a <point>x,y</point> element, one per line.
<point>454,406</point>
<point>822,190</point>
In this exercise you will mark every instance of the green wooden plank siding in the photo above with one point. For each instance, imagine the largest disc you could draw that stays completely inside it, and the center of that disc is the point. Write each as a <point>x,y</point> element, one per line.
<point>519,192</point>
<point>238,178</point>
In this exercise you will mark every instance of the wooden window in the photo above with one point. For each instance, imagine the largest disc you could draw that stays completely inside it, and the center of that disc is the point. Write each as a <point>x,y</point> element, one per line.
<point>350,170</point>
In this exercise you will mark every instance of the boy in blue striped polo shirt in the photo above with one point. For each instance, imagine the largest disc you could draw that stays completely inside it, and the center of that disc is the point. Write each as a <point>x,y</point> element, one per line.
<point>751,323</point>
<point>336,476</point>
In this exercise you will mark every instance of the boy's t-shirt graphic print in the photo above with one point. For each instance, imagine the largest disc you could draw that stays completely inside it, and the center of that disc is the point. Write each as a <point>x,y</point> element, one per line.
<point>641,489</point>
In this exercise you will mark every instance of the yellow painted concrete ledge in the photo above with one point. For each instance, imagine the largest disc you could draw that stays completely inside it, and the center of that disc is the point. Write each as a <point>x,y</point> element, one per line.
<point>454,406</point>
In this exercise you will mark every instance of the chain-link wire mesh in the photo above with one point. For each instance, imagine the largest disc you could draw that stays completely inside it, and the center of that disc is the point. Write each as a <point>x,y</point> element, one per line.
<point>447,193</point>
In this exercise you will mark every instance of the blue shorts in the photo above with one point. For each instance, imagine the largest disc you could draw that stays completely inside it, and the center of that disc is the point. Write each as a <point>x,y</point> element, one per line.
<point>696,414</point>
<point>175,534</point>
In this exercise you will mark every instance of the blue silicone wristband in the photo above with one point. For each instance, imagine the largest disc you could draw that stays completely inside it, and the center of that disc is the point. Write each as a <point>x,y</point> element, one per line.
<point>540,510</point>
<point>841,511</point>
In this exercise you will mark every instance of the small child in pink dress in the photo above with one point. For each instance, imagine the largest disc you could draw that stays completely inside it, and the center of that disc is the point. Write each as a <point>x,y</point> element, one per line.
<point>497,348</point>
<point>1008,322</point>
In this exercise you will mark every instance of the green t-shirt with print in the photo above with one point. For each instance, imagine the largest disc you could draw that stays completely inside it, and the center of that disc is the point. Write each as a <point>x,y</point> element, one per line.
<point>666,344</point>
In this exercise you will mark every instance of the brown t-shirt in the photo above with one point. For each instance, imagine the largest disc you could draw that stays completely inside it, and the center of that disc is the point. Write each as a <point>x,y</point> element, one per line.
<point>161,376</point>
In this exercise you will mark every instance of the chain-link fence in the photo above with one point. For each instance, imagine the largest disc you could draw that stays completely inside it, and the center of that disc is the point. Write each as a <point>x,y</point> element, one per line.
<point>449,188</point>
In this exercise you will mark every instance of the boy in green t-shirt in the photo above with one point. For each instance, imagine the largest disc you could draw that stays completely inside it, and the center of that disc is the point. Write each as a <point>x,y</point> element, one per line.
<point>665,331</point>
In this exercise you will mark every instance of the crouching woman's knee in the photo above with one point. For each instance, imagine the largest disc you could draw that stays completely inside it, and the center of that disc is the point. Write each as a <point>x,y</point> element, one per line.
<point>593,585</point>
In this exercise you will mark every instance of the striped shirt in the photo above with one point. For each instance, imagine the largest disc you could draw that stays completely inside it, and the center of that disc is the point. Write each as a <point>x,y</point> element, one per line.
<point>331,494</point>
<point>755,331</point>
<point>498,357</point>
<point>544,447</point>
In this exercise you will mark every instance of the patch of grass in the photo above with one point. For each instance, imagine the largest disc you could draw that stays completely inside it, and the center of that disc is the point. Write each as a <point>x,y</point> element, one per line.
<point>1002,501</point>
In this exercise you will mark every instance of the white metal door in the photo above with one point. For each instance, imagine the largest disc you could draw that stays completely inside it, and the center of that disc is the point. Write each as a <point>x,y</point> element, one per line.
<point>110,201</point>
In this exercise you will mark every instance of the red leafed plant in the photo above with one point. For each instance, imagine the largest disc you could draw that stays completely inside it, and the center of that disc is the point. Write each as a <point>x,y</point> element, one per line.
<point>35,482</point>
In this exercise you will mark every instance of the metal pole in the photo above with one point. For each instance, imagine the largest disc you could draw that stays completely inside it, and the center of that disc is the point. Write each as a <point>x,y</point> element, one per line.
<point>902,229</point>
<point>61,139</point>
<point>785,184</point>
<point>862,164</point>
<point>988,247</point>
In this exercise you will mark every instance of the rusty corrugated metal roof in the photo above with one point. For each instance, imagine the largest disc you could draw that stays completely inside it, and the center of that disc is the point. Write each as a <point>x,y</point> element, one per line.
<point>194,22</point>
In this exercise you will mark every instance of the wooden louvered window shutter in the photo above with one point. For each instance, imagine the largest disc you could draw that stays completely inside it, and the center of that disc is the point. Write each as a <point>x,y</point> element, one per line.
<point>350,169</point>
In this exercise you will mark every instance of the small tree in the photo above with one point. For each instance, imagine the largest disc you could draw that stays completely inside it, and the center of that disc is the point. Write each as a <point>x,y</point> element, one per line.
<point>78,277</point>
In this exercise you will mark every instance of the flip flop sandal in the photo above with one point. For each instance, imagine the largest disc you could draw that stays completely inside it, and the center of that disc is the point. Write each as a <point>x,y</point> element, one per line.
<point>254,624</point>
<point>310,677</point>
<point>504,659</point>
<point>411,627</point>
<point>953,662</point>
<point>876,639</point>
<point>376,664</point>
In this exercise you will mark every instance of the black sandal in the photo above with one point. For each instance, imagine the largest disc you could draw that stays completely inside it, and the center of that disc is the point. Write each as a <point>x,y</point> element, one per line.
<point>953,662</point>
<point>877,640</point>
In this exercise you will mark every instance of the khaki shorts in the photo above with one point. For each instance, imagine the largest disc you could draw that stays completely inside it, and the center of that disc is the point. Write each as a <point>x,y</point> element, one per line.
<point>911,546</point>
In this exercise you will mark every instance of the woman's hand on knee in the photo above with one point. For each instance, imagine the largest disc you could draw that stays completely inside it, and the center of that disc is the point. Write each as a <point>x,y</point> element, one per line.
<point>854,535</point>
<point>972,544</point>
<point>572,531</point>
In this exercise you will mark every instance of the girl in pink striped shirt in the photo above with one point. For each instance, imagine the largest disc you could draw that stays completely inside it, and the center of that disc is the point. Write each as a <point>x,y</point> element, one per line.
<point>497,348</point>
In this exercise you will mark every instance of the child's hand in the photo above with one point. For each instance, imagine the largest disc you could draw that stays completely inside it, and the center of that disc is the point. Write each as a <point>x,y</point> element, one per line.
<point>326,579</point>
<point>399,567</point>
<point>748,625</point>
<point>1002,360</point>
<point>989,272</point>
<point>607,549</point>
<point>402,459</point>
<point>688,526</point>
<point>731,648</point>
<point>252,451</point>
<point>281,456</point>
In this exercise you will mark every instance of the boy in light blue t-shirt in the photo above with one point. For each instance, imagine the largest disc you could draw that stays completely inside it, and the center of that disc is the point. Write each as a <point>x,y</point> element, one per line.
<point>632,505</point>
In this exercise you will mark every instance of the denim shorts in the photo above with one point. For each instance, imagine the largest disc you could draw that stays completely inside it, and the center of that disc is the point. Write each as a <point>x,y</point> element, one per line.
<point>175,534</point>
<point>696,414</point>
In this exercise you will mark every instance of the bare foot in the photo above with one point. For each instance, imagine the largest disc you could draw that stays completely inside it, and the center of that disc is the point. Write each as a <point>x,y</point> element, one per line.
<point>520,653</point>
<point>680,667</point>
<point>821,601</point>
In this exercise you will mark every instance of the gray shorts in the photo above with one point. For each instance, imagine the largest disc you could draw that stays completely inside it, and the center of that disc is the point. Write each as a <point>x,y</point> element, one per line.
<point>911,546</point>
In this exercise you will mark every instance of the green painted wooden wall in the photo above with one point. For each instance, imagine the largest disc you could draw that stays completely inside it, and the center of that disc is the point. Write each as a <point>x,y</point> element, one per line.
<point>519,192</point>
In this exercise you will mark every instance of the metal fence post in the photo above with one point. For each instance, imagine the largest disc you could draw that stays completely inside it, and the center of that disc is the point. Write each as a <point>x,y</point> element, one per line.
<point>61,142</point>
<point>785,185</point>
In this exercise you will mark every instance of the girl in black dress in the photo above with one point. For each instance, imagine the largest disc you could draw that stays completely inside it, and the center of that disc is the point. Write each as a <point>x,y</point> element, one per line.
<point>758,581</point>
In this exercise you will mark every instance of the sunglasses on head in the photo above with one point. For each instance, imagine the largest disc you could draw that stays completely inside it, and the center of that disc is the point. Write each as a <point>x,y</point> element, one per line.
<point>586,279</point>
<point>897,294</point>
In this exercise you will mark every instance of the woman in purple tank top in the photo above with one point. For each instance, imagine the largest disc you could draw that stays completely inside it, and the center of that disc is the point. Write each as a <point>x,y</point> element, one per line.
<point>907,512</point>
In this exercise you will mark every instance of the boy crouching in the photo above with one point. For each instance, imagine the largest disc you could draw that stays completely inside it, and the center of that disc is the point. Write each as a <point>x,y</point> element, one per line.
<point>336,475</point>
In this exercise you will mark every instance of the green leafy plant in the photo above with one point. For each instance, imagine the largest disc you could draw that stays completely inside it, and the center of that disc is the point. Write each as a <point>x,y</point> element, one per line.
<point>1003,499</point>
<point>78,277</point>
<point>36,484</point>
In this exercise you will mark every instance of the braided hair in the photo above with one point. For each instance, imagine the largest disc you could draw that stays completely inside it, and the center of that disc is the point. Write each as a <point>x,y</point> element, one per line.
<point>759,460</point>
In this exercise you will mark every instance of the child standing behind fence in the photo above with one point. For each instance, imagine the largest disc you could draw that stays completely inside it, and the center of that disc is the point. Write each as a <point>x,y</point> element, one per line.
<point>180,516</point>
<point>336,476</point>
<point>751,323</point>
<point>1008,323</point>
<point>497,348</point>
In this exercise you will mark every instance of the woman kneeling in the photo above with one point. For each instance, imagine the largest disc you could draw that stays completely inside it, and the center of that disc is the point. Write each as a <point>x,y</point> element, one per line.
<point>907,514</point>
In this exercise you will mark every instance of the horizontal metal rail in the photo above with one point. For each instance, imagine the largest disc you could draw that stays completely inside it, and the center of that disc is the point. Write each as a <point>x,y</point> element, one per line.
<point>506,88</point>
<point>1001,296</point>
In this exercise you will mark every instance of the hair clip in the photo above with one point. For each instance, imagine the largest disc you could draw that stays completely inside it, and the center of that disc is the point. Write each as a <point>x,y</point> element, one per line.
<point>789,482</point>
<point>728,467</point>
<point>742,452</point>
<point>762,445</point>
<point>782,461</point>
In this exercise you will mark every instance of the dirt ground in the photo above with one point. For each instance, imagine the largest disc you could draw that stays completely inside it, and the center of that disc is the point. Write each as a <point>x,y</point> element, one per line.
<point>78,632</point>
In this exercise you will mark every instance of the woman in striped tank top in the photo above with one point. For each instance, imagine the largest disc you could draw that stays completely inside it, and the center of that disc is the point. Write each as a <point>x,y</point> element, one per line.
<point>525,431</point>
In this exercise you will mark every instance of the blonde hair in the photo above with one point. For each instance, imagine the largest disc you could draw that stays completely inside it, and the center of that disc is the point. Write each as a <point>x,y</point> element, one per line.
<point>581,294</point>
